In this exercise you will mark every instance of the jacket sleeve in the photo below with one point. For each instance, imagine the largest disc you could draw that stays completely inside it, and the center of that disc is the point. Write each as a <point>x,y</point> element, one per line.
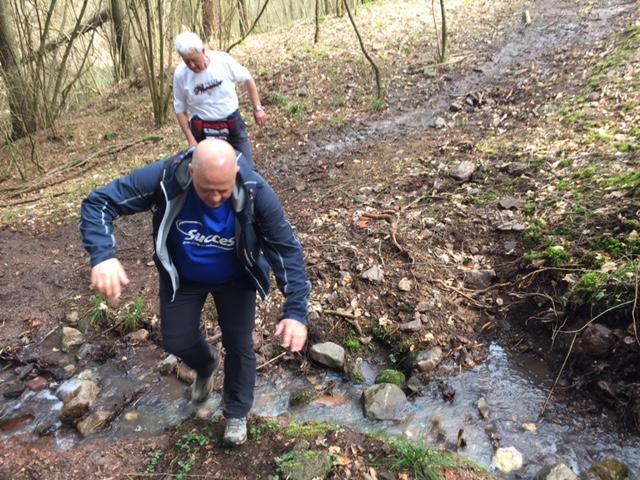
<point>124,196</point>
<point>284,254</point>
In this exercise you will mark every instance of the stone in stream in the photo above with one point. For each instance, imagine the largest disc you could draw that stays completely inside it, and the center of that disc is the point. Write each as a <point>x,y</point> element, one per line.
<point>37,383</point>
<point>12,389</point>
<point>302,396</point>
<point>383,401</point>
<point>507,459</point>
<point>71,338</point>
<point>559,471</point>
<point>483,408</point>
<point>94,422</point>
<point>78,397</point>
<point>328,354</point>
<point>168,365</point>
<point>428,360</point>
<point>609,469</point>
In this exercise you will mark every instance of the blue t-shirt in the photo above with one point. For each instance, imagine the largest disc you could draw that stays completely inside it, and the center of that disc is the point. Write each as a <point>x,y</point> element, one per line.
<point>202,242</point>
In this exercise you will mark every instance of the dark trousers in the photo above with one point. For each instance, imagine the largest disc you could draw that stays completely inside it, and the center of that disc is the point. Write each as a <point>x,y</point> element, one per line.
<point>181,335</point>
<point>238,136</point>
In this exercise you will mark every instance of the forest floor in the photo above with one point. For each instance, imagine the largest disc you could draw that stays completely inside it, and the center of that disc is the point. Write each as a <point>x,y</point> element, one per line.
<point>529,246</point>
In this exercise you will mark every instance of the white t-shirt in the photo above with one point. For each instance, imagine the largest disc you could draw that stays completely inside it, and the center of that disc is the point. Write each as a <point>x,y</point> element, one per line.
<point>210,94</point>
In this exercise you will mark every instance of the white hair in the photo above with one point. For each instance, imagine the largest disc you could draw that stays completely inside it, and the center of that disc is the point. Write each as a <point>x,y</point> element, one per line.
<point>188,42</point>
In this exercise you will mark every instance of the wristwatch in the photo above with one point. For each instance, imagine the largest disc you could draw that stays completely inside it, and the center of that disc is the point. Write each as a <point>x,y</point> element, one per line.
<point>258,109</point>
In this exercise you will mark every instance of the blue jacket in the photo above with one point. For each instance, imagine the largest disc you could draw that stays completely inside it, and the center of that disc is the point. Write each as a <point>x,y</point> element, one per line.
<point>264,237</point>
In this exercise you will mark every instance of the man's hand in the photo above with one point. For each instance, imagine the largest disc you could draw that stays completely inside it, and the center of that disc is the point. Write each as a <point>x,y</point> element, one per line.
<point>260,116</point>
<point>293,333</point>
<point>108,277</point>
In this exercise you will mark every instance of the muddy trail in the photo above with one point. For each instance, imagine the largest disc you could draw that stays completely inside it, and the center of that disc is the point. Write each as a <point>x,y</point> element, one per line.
<point>407,215</point>
<point>558,27</point>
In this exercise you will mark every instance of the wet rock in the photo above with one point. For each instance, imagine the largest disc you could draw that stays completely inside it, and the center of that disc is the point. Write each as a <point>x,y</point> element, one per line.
<point>414,384</point>
<point>168,365</point>
<point>374,274</point>
<point>306,465</point>
<point>37,383</point>
<point>25,370</point>
<point>78,397</point>
<point>597,341</point>
<point>509,202</point>
<point>609,469</point>
<point>302,396</point>
<point>185,374</point>
<point>383,401</point>
<point>94,422</point>
<point>507,459</point>
<point>483,408</point>
<point>559,471</point>
<point>463,171</point>
<point>71,338</point>
<point>428,360</point>
<point>529,427</point>
<point>405,285</point>
<point>480,278</point>
<point>12,389</point>
<point>328,354</point>
<point>391,376</point>
<point>72,317</point>
<point>137,337</point>
<point>88,374</point>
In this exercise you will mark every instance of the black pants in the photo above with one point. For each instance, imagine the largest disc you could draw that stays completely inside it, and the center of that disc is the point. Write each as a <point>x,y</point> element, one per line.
<point>181,335</point>
<point>238,136</point>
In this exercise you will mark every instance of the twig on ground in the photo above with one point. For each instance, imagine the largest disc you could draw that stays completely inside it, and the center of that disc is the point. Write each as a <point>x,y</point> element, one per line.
<point>268,362</point>
<point>566,358</point>
<point>462,294</point>
<point>349,318</point>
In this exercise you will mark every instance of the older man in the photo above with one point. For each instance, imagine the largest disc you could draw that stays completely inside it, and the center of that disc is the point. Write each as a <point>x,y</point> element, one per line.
<point>218,227</point>
<point>204,84</point>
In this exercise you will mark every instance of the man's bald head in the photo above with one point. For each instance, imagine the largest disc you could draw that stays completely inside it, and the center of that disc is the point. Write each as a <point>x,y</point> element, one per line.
<point>213,169</point>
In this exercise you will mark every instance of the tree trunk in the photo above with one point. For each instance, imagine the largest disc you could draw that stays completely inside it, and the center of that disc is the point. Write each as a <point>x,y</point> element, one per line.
<point>443,50</point>
<point>316,35</point>
<point>243,20</point>
<point>23,119</point>
<point>376,71</point>
<point>118,15</point>
<point>207,19</point>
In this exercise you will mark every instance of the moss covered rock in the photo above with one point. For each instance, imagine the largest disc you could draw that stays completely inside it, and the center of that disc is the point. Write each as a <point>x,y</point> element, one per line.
<point>391,376</point>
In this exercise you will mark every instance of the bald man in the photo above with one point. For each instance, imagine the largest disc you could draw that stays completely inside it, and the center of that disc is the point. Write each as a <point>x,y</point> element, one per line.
<point>218,229</point>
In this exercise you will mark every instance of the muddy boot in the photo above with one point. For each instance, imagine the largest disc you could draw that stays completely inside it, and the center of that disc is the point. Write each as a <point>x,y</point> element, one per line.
<point>201,388</point>
<point>235,432</point>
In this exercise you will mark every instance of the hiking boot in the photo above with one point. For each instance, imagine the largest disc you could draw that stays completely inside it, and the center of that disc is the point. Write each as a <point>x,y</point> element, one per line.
<point>235,432</point>
<point>201,388</point>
